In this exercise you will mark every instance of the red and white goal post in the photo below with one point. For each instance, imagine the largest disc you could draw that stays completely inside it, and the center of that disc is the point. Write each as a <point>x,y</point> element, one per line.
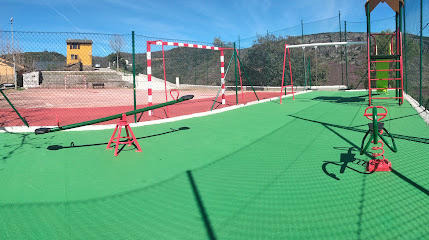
<point>162,43</point>
<point>303,46</point>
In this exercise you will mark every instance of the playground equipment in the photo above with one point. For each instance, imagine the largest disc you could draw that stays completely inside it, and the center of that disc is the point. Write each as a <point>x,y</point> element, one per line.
<point>377,129</point>
<point>99,120</point>
<point>129,139</point>
<point>381,65</point>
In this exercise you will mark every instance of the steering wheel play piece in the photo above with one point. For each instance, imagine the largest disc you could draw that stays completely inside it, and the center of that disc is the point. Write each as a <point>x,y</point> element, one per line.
<point>370,115</point>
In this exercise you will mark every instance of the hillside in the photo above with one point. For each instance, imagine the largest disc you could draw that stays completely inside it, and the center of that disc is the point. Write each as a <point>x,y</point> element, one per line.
<point>262,62</point>
<point>43,60</point>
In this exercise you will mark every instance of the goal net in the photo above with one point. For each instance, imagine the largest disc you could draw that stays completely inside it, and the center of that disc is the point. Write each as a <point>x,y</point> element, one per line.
<point>318,65</point>
<point>177,69</point>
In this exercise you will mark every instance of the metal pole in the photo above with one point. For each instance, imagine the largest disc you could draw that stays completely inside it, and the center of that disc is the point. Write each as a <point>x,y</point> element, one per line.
<point>368,36</point>
<point>195,66</point>
<point>309,71</point>
<point>134,75</point>
<point>207,63</point>
<point>13,55</point>
<point>305,72</point>
<point>341,49</point>
<point>345,39</point>
<point>226,73</point>
<point>248,79</point>
<point>400,51</point>
<point>421,50</point>
<point>235,71</point>
<point>303,55</point>
<point>315,55</point>
<point>406,50</point>
<point>302,31</point>
<point>398,65</point>
<point>268,57</point>
<point>14,109</point>
<point>239,46</point>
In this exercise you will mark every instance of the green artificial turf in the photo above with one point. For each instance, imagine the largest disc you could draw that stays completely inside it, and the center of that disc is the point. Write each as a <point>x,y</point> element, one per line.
<point>265,171</point>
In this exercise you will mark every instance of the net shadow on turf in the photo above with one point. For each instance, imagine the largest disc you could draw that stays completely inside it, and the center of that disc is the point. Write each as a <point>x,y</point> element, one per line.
<point>354,128</point>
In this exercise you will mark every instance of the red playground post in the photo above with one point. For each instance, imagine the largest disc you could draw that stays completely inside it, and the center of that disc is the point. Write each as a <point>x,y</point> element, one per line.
<point>287,52</point>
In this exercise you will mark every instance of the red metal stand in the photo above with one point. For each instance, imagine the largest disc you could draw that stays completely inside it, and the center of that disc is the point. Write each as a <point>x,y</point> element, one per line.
<point>129,139</point>
<point>379,166</point>
<point>287,52</point>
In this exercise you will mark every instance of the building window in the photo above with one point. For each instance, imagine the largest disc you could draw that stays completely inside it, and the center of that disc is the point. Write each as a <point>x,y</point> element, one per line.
<point>73,56</point>
<point>74,46</point>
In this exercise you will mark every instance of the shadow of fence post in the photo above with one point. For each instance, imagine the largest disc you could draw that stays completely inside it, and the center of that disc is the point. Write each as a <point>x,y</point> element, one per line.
<point>203,212</point>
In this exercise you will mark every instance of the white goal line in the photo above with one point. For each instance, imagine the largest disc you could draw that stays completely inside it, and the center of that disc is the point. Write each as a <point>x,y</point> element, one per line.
<point>324,44</point>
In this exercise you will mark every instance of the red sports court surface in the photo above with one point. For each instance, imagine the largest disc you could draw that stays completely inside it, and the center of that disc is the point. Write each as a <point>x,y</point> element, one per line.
<point>40,107</point>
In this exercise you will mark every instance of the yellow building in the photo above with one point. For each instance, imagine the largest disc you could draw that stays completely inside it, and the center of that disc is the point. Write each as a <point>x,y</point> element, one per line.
<point>6,70</point>
<point>79,51</point>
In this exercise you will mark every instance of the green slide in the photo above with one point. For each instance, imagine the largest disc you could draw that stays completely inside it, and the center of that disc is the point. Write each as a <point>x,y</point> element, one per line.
<point>382,75</point>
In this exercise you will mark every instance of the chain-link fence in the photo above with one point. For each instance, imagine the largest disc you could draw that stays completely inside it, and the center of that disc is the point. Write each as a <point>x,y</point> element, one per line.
<point>416,58</point>
<point>64,78</point>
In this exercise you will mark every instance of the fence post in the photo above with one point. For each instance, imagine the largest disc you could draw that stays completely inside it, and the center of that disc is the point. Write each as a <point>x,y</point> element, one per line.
<point>14,109</point>
<point>134,76</point>
<point>341,49</point>
<point>268,57</point>
<point>421,50</point>
<point>345,39</point>
<point>239,47</point>
<point>235,60</point>
<point>303,55</point>
<point>309,71</point>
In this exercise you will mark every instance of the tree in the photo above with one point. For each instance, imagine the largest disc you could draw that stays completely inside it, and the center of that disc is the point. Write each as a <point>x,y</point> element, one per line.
<point>264,60</point>
<point>117,58</point>
<point>217,42</point>
<point>116,42</point>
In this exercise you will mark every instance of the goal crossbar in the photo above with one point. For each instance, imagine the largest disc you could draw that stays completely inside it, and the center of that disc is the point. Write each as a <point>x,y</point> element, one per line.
<point>177,44</point>
<point>324,44</point>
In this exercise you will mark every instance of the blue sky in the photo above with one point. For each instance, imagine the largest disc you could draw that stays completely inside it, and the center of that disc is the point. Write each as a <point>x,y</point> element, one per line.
<point>179,19</point>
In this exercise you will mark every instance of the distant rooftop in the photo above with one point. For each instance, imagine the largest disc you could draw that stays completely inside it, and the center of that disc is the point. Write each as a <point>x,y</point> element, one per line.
<point>81,41</point>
